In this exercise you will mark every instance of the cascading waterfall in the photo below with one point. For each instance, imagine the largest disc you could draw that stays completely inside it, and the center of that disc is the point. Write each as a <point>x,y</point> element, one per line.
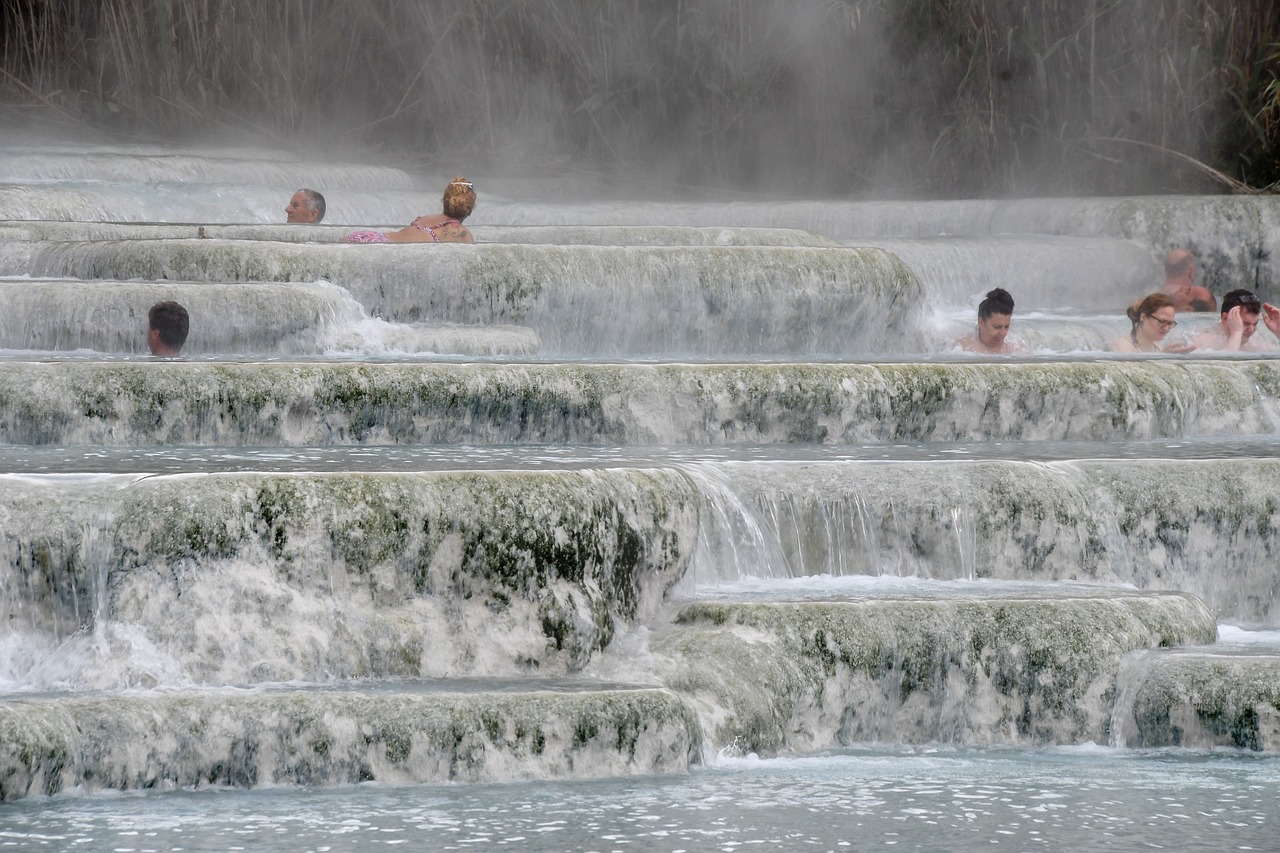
<point>621,490</point>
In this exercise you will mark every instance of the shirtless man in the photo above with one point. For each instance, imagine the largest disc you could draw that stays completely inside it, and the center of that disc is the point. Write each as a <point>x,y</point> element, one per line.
<point>995,316</point>
<point>1241,311</point>
<point>306,207</point>
<point>1179,273</point>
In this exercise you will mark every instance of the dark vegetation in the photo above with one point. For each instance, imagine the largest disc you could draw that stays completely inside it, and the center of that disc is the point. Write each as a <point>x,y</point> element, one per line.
<point>833,97</point>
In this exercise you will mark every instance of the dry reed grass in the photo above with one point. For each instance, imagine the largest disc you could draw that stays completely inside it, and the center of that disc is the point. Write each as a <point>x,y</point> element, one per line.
<point>936,97</point>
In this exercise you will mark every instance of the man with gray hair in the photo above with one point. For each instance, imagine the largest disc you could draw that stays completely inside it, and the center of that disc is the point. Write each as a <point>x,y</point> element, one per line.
<point>305,208</point>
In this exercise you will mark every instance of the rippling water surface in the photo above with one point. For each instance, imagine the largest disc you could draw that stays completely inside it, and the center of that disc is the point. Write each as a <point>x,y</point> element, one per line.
<point>1084,798</point>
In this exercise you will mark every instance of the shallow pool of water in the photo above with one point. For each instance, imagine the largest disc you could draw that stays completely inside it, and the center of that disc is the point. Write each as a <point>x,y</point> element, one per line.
<point>1081,798</point>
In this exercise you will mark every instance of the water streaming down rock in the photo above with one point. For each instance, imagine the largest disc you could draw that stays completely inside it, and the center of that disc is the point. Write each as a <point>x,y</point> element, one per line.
<point>1234,237</point>
<point>1046,273</point>
<point>810,675</point>
<point>1201,700</point>
<point>1201,526</point>
<point>1205,221</point>
<point>603,301</point>
<point>249,578</point>
<point>389,403</point>
<point>580,235</point>
<point>245,318</point>
<point>609,621</point>
<point>336,737</point>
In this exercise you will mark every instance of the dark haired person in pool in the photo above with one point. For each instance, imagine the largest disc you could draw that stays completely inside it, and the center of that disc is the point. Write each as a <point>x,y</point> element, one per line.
<point>995,317</point>
<point>305,208</point>
<point>167,327</point>
<point>1241,311</point>
<point>446,227</point>
<point>1153,317</point>
<point>1179,273</point>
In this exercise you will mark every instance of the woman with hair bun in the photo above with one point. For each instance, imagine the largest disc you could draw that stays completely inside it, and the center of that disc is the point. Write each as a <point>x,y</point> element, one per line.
<point>446,227</point>
<point>1153,317</point>
<point>995,317</point>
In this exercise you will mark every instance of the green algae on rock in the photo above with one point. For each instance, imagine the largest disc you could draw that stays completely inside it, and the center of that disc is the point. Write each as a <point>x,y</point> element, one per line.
<point>243,578</point>
<point>192,739</point>
<point>1202,700</point>
<point>811,675</point>
<point>708,404</point>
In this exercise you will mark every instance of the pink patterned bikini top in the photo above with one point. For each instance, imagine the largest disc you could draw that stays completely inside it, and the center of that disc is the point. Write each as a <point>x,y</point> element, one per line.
<point>366,237</point>
<point>431,229</point>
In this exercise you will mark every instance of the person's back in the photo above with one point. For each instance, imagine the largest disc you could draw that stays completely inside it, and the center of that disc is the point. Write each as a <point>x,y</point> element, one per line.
<point>446,227</point>
<point>1179,278</point>
<point>167,327</point>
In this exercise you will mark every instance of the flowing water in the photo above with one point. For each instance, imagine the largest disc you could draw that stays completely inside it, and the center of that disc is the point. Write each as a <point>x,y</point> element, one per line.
<point>630,527</point>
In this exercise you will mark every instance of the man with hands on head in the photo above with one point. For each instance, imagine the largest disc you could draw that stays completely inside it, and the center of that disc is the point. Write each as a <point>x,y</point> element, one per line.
<point>1241,312</point>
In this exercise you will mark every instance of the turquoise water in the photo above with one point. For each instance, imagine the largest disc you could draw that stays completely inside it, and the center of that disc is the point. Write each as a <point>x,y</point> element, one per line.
<point>1079,798</point>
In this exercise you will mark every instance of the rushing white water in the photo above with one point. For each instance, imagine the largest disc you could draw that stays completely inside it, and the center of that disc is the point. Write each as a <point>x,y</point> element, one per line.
<point>604,496</point>
<point>257,318</point>
<point>600,300</point>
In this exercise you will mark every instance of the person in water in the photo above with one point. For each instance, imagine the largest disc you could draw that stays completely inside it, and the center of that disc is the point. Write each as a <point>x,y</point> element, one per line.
<point>1179,275</point>
<point>1153,318</point>
<point>167,327</point>
<point>446,227</point>
<point>995,317</point>
<point>1241,311</point>
<point>306,207</point>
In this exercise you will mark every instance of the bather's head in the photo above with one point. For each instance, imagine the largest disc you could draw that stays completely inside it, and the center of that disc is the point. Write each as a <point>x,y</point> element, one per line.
<point>995,317</point>
<point>459,199</point>
<point>1154,316</point>
<point>1250,310</point>
<point>306,207</point>
<point>167,327</point>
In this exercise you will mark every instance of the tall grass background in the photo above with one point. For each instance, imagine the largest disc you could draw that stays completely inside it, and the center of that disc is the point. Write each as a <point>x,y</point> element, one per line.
<point>935,98</point>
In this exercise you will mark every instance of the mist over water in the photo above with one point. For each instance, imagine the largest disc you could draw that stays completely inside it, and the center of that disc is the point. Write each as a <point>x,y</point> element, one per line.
<point>679,100</point>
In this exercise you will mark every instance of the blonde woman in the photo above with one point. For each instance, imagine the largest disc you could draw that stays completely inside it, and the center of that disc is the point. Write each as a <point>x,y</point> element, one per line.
<point>445,227</point>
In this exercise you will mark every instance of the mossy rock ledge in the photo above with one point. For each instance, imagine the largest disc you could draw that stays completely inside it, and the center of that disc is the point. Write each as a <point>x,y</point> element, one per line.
<point>253,739</point>
<point>817,674</point>
<point>1202,701</point>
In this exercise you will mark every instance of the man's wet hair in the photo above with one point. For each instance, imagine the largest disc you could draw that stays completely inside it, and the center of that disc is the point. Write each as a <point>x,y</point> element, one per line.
<point>998,301</point>
<point>1248,302</point>
<point>315,202</point>
<point>172,322</point>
